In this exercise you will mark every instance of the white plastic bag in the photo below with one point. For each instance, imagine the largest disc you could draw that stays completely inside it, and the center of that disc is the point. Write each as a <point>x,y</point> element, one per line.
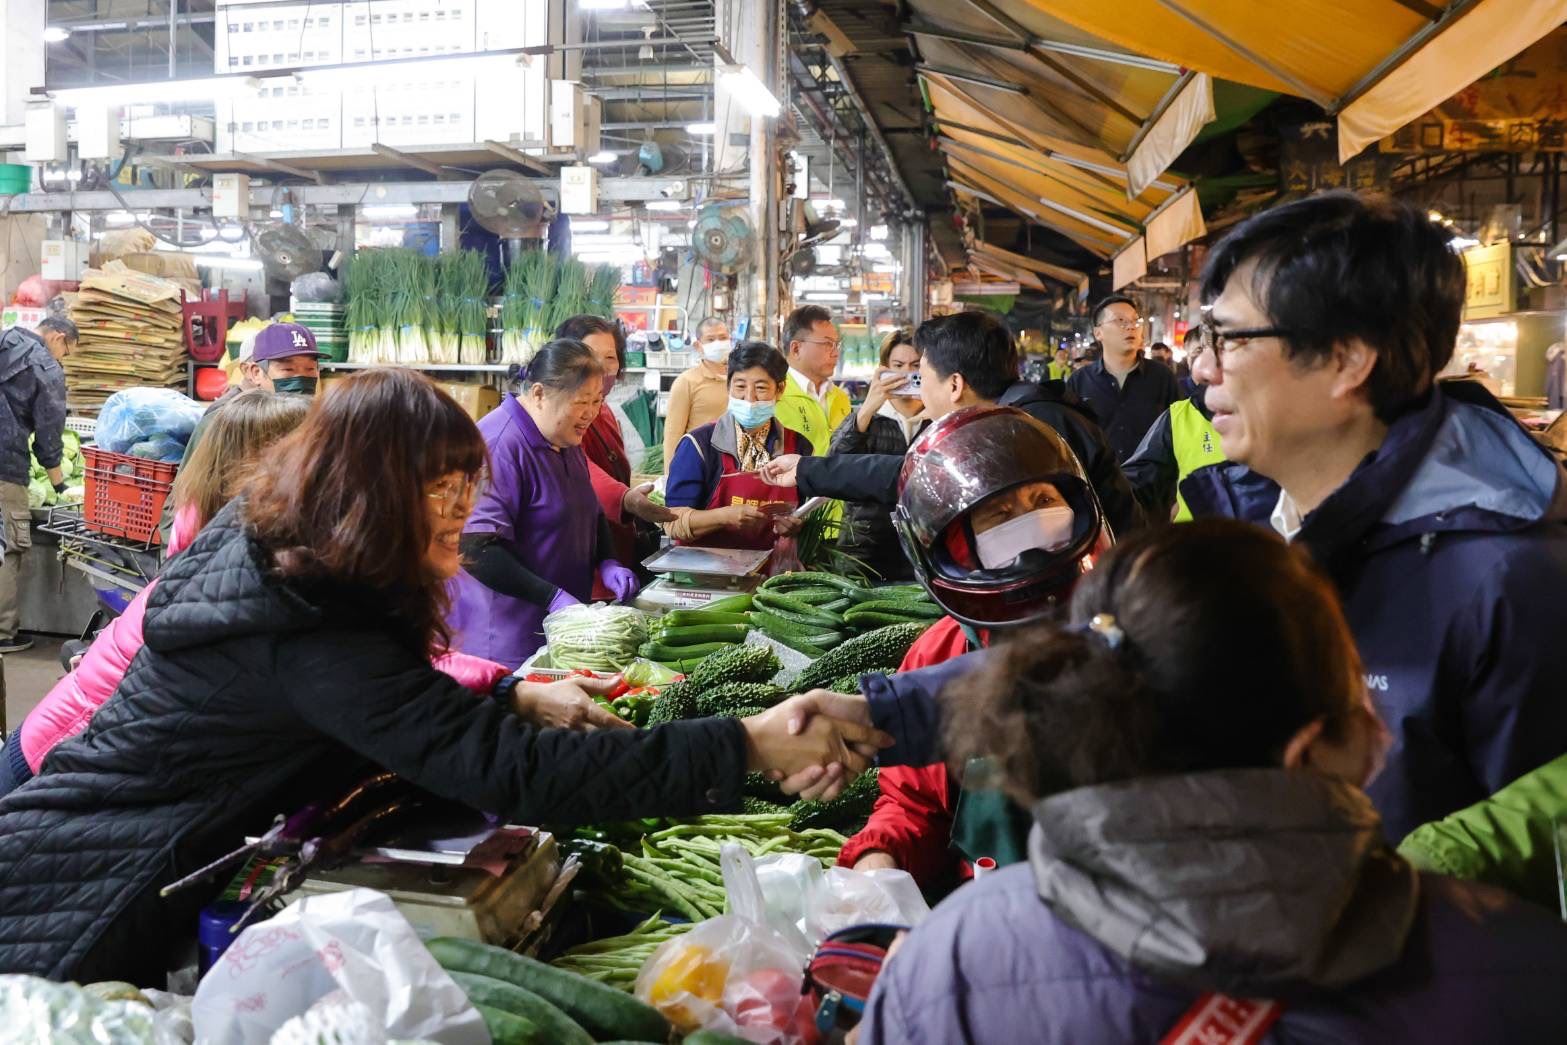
<point>354,942</point>
<point>736,973</point>
<point>34,1011</point>
<point>842,897</point>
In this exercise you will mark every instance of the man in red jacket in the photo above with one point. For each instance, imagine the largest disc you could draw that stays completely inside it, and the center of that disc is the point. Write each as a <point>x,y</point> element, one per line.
<point>999,519</point>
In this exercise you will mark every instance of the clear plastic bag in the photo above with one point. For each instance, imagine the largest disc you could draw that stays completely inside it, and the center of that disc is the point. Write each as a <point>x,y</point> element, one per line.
<point>34,1011</point>
<point>842,897</point>
<point>147,416</point>
<point>316,288</point>
<point>736,973</point>
<point>594,637</point>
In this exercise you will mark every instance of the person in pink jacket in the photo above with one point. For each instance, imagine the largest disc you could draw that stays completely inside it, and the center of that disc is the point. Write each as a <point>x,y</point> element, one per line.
<point>242,428</point>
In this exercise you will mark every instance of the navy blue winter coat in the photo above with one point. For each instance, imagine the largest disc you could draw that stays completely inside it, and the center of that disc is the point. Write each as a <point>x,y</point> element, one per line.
<point>1448,546</point>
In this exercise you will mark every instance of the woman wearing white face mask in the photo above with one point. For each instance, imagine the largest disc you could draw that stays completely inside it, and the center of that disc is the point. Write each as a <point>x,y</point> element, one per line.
<point>999,521</point>
<point>714,485</point>
<point>699,395</point>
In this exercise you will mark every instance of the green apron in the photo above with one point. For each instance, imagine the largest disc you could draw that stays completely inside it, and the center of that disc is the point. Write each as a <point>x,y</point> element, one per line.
<point>987,822</point>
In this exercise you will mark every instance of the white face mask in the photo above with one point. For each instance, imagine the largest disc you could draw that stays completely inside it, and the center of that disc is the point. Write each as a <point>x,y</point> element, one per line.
<point>1047,528</point>
<point>717,351</point>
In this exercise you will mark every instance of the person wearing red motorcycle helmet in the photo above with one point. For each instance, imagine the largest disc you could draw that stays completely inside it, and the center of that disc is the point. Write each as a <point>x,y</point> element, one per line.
<point>999,520</point>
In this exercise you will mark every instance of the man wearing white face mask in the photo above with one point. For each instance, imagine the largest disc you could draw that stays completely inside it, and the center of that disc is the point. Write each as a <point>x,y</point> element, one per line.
<point>999,520</point>
<point>701,394</point>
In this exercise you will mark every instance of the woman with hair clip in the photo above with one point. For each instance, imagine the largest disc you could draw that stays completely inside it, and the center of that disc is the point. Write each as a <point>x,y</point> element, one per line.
<point>536,540</point>
<point>1204,865</point>
<point>288,656</point>
<point>887,422</point>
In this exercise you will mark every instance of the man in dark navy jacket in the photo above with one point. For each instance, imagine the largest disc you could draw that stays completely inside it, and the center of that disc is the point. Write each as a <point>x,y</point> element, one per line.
<point>1126,392</point>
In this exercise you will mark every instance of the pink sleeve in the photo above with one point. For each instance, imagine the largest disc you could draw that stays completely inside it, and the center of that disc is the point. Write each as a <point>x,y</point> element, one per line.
<point>73,701</point>
<point>183,531</point>
<point>474,673</point>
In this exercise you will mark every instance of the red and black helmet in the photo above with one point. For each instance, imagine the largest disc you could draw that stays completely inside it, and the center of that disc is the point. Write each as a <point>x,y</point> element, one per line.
<point>964,459</point>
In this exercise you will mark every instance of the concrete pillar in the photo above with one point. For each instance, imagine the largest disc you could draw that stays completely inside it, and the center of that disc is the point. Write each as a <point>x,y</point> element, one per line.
<point>21,55</point>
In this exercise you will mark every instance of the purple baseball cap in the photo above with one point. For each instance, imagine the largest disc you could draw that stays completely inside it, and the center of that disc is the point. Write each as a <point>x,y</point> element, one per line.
<point>281,340</point>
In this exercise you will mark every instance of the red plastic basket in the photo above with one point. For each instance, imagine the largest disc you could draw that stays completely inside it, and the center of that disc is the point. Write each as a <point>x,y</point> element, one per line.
<point>124,494</point>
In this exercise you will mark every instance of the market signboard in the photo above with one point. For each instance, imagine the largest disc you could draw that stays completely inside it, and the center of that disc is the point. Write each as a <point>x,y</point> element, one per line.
<point>1520,107</point>
<point>1492,289</point>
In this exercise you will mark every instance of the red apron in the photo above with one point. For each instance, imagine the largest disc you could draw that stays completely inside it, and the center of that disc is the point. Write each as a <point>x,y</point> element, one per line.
<point>735,487</point>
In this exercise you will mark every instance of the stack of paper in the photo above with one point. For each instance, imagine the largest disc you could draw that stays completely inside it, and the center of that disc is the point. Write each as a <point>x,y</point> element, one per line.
<point>132,336</point>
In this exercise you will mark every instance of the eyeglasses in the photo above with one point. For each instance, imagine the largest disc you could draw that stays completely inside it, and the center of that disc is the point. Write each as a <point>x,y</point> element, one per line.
<point>821,341</point>
<point>454,492</point>
<point>1122,324</point>
<point>1223,342</point>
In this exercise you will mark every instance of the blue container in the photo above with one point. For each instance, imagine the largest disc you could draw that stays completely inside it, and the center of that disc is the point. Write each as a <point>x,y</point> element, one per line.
<point>212,931</point>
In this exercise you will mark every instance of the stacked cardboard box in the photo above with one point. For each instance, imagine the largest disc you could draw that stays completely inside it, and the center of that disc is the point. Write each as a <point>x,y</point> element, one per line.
<point>132,336</point>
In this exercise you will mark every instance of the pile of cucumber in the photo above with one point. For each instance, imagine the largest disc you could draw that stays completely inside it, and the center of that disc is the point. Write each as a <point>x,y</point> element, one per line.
<point>681,638</point>
<point>524,1001</point>
<point>815,612</point>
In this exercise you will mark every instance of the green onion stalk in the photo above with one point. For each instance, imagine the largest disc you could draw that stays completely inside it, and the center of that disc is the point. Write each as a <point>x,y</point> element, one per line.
<point>603,285</point>
<point>540,289</point>
<point>570,297</point>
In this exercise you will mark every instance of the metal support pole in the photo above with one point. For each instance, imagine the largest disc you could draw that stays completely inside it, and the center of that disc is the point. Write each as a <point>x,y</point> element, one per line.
<point>450,235</point>
<point>174,13</point>
<point>916,292</point>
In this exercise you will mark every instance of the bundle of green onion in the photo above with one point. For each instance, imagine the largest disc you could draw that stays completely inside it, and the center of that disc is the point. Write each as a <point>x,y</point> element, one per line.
<point>407,309</point>
<point>603,283</point>
<point>462,281</point>
<point>530,284</point>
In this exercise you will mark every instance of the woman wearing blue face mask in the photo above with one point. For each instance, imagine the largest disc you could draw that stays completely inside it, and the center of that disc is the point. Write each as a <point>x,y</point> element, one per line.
<point>713,484</point>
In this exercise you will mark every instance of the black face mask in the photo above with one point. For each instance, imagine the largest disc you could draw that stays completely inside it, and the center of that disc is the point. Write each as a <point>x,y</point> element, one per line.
<point>305,386</point>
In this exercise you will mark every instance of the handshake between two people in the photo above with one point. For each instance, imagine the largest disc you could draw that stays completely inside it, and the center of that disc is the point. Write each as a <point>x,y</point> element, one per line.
<point>812,745</point>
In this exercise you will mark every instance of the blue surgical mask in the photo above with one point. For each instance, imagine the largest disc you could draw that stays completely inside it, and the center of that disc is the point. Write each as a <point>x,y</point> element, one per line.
<point>750,415</point>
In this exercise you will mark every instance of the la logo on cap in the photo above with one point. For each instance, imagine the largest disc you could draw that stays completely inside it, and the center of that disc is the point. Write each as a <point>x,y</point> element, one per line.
<point>299,340</point>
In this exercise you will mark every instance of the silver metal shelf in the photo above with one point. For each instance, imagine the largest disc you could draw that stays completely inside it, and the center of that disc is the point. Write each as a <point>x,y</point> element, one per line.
<point>467,368</point>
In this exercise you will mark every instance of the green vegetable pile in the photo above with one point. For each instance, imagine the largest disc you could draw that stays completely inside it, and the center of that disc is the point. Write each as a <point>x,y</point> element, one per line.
<point>525,1001</point>
<point>40,491</point>
<point>676,868</point>
<point>814,613</point>
<point>404,307</point>
<point>616,960</point>
<point>681,638</point>
<point>541,291</point>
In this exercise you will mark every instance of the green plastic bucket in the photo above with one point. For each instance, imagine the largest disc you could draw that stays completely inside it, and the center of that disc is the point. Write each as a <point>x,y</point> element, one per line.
<point>15,178</point>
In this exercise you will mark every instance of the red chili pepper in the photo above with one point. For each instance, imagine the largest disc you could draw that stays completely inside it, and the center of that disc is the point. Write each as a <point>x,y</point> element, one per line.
<point>538,676</point>
<point>621,688</point>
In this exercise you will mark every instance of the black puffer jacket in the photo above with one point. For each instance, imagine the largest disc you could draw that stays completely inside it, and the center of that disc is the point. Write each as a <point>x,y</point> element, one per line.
<point>871,538</point>
<point>252,696</point>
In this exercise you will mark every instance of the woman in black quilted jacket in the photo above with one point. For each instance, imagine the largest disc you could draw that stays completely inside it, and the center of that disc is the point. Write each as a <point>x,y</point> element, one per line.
<point>287,654</point>
<point>887,422</point>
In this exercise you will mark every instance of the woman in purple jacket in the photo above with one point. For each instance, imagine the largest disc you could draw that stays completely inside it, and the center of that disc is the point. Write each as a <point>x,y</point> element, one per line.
<point>1203,859</point>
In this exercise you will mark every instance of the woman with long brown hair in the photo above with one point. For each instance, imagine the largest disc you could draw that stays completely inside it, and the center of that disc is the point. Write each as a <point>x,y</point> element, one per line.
<point>288,653</point>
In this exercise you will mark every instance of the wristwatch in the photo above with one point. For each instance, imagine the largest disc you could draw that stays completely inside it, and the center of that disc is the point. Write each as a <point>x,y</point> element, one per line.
<point>504,687</point>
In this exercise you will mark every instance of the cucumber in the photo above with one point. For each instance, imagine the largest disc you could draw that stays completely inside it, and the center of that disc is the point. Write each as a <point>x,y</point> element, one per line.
<point>808,579</point>
<point>698,634</point>
<point>660,652</point>
<point>698,618</point>
<point>552,1023</point>
<point>783,604</point>
<point>727,604</point>
<point>775,626</point>
<point>871,619</point>
<point>900,608</point>
<point>914,592</point>
<point>838,605</point>
<point>815,596</point>
<point>601,1010</point>
<point>714,1037</point>
<point>508,1029</point>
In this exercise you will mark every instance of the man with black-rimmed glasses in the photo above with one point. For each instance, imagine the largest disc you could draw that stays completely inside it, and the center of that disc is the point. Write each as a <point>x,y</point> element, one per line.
<point>1441,521</point>
<point>1126,392</point>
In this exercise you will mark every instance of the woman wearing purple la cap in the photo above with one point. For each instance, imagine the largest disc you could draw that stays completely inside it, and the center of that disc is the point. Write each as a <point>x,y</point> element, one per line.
<point>537,537</point>
<point>284,359</point>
